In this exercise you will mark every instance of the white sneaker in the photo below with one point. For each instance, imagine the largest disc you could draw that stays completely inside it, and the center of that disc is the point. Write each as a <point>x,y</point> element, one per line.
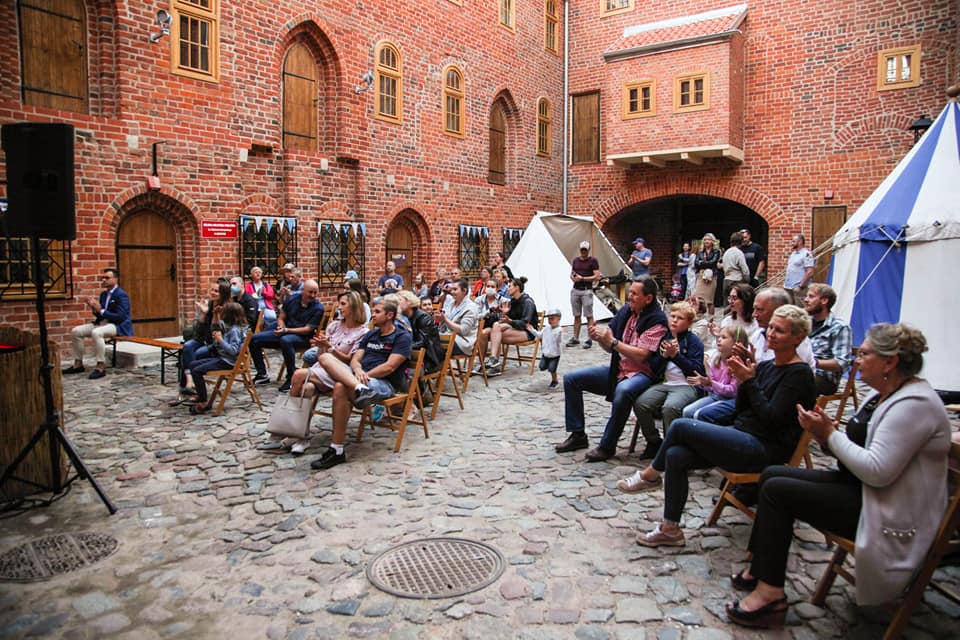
<point>636,483</point>
<point>299,447</point>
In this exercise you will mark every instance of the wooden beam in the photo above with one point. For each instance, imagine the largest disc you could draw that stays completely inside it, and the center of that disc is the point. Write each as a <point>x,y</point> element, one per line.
<point>692,158</point>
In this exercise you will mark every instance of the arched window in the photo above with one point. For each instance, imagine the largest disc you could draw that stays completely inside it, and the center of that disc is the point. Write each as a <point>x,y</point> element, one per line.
<point>300,99</point>
<point>453,101</point>
<point>389,83</point>
<point>53,53</point>
<point>497,168</point>
<point>543,127</point>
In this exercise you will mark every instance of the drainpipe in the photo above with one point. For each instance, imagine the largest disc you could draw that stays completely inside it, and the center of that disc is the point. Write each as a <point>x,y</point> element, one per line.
<point>566,102</point>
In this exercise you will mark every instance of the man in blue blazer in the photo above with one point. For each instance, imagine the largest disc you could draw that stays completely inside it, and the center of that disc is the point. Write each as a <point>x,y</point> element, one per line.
<point>111,317</point>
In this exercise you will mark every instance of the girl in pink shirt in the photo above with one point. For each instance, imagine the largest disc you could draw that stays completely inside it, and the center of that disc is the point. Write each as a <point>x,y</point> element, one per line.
<point>718,406</point>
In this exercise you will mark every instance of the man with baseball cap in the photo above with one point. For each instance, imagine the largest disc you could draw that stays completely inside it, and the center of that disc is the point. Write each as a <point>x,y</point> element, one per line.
<point>585,274</point>
<point>640,259</point>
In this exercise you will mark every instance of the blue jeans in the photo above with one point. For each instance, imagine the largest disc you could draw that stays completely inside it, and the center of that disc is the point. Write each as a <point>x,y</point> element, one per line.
<point>692,444</point>
<point>288,345</point>
<point>712,409</point>
<point>595,380</point>
<point>192,350</point>
<point>310,357</point>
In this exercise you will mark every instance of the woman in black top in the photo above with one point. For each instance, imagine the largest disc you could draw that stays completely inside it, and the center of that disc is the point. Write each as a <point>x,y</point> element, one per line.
<point>513,328</point>
<point>765,431</point>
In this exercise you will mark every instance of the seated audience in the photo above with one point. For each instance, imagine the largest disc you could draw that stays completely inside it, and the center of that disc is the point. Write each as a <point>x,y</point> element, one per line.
<point>420,288</point>
<point>511,329</point>
<point>250,307</point>
<point>489,304</point>
<point>200,345</point>
<point>375,373</point>
<point>298,320</point>
<point>425,333</point>
<point>481,283</point>
<point>720,385</point>
<point>888,492</point>
<point>740,299</point>
<point>355,284</point>
<point>436,287</point>
<point>263,293</point>
<point>681,356</point>
<point>764,304</point>
<point>831,338</point>
<point>458,317</point>
<point>111,317</point>
<point>765,431</point>
<point>228,336</point>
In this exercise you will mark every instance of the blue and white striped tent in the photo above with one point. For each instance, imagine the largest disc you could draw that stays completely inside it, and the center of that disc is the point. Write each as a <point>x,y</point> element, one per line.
<point>898,257</point>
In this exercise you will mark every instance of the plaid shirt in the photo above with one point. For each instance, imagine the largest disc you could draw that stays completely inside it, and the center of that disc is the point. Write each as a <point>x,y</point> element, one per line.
<point>833,340</point>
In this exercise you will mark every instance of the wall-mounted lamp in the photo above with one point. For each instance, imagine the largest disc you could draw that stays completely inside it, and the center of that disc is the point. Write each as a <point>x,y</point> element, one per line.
<point>366,83</point>
<point>164,19</point>
<point>919,127</point>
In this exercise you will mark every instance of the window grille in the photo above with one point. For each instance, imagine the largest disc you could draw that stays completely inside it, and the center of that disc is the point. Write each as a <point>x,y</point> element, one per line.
<point>341,247</point>
<point>16,269</point>
<point>511,238</point>
<point>472,245</point>
<point>267,242</point>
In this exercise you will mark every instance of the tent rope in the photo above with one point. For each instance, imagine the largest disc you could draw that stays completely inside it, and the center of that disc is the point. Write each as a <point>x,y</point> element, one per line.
<point>894,242</point>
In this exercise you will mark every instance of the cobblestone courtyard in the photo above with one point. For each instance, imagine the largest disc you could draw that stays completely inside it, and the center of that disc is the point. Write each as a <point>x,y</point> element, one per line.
<point>220,537</point>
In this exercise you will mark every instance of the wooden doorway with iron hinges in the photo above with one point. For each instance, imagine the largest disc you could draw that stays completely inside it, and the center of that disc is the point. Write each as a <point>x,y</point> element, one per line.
<point>147,260</point>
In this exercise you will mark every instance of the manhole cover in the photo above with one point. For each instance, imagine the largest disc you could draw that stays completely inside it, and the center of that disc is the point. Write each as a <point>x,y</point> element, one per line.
<point>436,568</point>
<point>44,558</point>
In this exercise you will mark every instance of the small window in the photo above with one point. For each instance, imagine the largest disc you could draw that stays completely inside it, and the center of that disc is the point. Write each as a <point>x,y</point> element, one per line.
<point>389,84</point>
<point>16,269</point>
<point>472,245</point>
<point>341,249</point>
<point>639,99</point>
<point>195,39</point>
<point>453,102</point>
<point>613,7</point>
<point>53,55</point>
<point>543,127</point>
<point>551,23</point>
<point>585,146</point>
<point>511,238</point>
<point>268,242</point>
<point>898,68</point>
<point>497,166</point>
<point>508,14</point>
<point>691,92</point>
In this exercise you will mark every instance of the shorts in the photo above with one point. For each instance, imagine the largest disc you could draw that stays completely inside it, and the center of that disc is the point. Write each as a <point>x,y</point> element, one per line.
<point>549,364</point>
<point>581,302</point>
<point>381,388</point>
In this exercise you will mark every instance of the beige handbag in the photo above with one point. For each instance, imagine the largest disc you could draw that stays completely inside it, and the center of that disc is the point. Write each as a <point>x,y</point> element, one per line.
<point>290,416</point>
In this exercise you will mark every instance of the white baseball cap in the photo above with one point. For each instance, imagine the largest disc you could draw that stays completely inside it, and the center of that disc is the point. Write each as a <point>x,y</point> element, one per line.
<point>585,245</point>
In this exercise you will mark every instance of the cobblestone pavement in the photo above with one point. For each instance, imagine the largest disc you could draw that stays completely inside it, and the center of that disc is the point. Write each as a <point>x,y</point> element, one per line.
<point>221,537</point>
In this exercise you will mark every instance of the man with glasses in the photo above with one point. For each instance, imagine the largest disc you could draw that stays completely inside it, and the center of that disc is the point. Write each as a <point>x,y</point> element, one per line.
<point>111,317</point>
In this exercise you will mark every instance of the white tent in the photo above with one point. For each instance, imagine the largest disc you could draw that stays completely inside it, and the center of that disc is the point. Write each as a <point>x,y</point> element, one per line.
<point>896,258</point>
<point>544,255</point>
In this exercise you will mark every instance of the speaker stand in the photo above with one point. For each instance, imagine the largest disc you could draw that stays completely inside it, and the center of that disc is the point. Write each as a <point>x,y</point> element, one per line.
<point>56,438</point>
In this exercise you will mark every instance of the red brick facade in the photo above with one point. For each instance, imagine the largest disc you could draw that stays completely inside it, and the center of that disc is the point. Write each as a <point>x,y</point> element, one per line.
<point>796,90</point>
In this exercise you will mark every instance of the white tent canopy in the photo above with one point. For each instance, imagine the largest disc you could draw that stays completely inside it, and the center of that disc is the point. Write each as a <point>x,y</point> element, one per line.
<point>895,259</point>
<point>544,255</point>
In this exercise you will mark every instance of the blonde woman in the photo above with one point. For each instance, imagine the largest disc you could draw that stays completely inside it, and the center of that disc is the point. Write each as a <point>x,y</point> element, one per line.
<point>705,265</point>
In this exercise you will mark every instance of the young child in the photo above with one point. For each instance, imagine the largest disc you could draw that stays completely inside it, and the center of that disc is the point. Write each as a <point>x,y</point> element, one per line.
<point>550,340</point>
<point>719,405</point>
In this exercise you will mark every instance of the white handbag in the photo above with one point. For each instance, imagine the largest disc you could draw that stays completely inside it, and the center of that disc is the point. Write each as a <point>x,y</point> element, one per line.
<point>290,416</point>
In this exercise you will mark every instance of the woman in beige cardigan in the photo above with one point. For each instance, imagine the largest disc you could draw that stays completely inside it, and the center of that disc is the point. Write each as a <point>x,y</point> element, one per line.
<point>889,492</point>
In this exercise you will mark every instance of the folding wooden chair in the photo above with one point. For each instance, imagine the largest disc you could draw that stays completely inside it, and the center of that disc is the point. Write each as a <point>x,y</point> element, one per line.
<point>849,390</point>
<point>405,400</point>
<point>519,357</point>
<point>435,381</point>
<point>239,373</point>
<point>464,363</point>
<point>731,479</point>
<point>946,542</point>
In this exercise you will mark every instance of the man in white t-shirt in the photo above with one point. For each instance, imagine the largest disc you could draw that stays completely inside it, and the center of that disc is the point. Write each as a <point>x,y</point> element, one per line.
<point>799,271</point>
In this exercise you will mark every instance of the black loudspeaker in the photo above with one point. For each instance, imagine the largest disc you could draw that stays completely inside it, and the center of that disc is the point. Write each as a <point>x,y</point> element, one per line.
<point>39,158</point>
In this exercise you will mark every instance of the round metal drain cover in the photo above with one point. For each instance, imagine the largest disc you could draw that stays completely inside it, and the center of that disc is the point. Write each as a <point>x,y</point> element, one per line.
<point>44,558</point>
<point>436,568</point>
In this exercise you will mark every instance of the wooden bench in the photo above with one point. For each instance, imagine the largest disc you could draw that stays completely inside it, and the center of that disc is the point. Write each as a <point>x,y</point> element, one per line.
<point>167,349</point>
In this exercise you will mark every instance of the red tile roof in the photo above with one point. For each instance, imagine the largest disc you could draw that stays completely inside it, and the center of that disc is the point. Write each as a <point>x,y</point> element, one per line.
<point>680,29</point>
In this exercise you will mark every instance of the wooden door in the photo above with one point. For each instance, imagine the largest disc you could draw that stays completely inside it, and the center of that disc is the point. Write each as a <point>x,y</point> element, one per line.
<point>497,173</point>
<point>826,222</point>
<point>586,129</point>
<point>400,250</point>
<point>53,43</point>
<point>147,259</point>
<point>300,99</point>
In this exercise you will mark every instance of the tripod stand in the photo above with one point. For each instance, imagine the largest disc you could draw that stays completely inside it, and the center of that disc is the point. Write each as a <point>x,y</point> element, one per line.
<point>56,438</point>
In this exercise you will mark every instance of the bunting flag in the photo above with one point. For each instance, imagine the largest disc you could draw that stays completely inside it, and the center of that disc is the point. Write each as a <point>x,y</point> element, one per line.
<point>473,232</point>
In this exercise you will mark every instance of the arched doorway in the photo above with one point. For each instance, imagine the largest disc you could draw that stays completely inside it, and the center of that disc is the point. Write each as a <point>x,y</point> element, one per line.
<point>666,223</point>
<point>405,244</point>
<point>147,260</point>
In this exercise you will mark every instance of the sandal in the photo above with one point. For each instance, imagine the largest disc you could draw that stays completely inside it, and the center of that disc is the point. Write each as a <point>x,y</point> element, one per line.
<point>743,584</point>
<point>770,616</point>
<point>197,409</point>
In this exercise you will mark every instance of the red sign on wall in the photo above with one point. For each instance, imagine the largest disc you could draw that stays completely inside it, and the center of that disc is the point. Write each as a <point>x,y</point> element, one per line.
<point>218,229</point>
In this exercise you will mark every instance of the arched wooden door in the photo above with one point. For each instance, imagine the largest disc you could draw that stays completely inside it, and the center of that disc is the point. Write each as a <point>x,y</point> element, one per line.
<point>147,259</point>
<point>400,250</point>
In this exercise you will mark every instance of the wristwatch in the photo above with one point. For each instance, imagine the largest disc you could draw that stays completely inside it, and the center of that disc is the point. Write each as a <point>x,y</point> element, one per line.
<point>613,345</point>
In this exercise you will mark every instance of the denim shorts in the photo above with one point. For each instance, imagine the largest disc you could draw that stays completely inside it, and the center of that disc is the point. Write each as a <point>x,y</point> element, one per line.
<point>381,388</point>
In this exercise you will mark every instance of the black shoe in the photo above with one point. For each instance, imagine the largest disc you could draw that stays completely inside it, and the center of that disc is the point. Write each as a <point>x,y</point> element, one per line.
<point>651,450</point>
<point>588,344</point>
<point>330,458</point>
<point>285,387</point>
<point>261,379</point>
<point>599,454</point>
<point>576,440</point>
<point>96,374</point>
<point>572,342</point>
<point>747,494</point>
<point>770,616</point>
<point>743,584</point>
<point>74,369</point>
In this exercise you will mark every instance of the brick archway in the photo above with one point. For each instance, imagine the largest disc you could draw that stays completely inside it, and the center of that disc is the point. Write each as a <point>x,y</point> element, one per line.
<point>407,227</point>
